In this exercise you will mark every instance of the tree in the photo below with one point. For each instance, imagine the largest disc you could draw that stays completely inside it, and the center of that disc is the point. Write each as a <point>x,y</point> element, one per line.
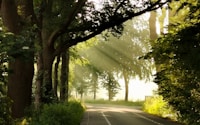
<point>19,81</point>
<point>94,79</point>
<point>81,80</point>
<point>179,75</point>
<point>134,41</point>
<point>56,80</point>
<point>177,54</point>
<point>88,27</point>
<point>122,54</point>
<point>78,20</point>
<point>110,83</point>
<point>64,76</point>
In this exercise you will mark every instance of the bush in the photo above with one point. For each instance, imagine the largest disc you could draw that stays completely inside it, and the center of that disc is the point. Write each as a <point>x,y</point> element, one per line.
<point>59,114</point>
<point>157,106</point>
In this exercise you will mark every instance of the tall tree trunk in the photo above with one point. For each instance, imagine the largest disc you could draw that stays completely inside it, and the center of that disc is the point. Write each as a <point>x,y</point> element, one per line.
<point>10,16</point>
<point>126,81</point>
<point>48,58</point>
<point>153,33</point>
<point>40,73</point>
<point>95,94</point>
<point>110,93</point>
<point>81,98</point>
<point>39,80</point>
<point>21,75</point>
<point>20,85</point>
<point>67,75</point>
<point>152,26</point>
<point>64,76</point>
<point>47,88</point>
<point>48,53</point>
<point>95,85</point>
<point>55,88</point>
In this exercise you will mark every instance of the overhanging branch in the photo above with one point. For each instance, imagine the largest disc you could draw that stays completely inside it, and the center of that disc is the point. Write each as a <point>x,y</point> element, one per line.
<point>69,20</point>
<point>107,25</point>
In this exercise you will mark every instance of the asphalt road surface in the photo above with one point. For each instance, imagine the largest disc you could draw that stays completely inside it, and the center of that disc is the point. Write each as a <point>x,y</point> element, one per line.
<point>100,114</point>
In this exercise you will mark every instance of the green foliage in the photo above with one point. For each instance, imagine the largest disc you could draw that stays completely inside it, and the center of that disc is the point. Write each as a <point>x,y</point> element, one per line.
<point>177,58</point>
<point>59,114</point>
<point>5,102</point>
<point>3,66</point>
<point>3,75</point>
<point>157,106</point>
<point>5,111</point>
<point>20,45</point>
<point>177,53</point>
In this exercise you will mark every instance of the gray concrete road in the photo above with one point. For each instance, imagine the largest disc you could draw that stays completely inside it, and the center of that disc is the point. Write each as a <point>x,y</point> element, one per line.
<point>99,114</point>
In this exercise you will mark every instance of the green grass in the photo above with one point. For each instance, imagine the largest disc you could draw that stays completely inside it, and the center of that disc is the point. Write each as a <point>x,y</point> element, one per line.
<point>117,102</point>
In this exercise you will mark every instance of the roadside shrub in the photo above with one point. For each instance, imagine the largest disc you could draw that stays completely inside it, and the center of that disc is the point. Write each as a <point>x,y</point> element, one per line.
<point>157,106</point>
<point>59,114</point>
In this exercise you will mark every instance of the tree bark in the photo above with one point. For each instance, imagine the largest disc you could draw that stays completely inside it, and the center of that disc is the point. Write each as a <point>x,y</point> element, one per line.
<point>47,53</point>
<point>10,16</point>
<point>39,81</point>
<point>40,73</point>
<point>110,93</point>
<point>20,85</point>
<point>48,58</point>
<point>64,76</point>
<point>95,85</point>
<point>55,88</point>
<point>95,77</point>
<point>67,75</point>
<point>21,70</point>
<point>153,33</point>
<point>126,81</point>
<point>47,88</point>
<point>152,26</point>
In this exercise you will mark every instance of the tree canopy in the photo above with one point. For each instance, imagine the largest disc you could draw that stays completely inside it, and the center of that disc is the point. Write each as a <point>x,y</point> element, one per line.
<point>177,54</point>
<point>121,54</point>
<point>36,26</point>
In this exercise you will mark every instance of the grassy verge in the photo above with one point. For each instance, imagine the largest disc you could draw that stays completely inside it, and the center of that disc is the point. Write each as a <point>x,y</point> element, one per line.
<point>117,102</point>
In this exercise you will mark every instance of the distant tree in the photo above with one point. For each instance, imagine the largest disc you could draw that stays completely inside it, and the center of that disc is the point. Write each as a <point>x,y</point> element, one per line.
<point>134,40</point>
<point>122,54</point>
<point>95,84</point>
<point>93,75</point>
<point>81,80</point>
<point>110,84</point>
